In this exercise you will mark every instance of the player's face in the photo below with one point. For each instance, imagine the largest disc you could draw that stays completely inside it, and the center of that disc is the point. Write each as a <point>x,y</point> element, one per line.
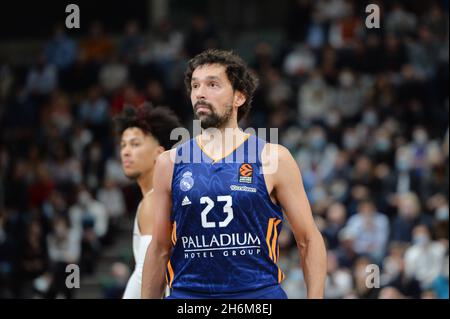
<point>138,152</point>
<point>212,96</point>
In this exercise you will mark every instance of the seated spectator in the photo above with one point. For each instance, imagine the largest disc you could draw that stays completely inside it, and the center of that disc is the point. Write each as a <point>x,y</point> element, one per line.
<point>336,218</point>
<point>42,79</point>
<point>61,50</point>
<point>370,230</point>
<point>64,248</point>
<point>424,259</point>
<point>97,47</point>
<point>409,215</point>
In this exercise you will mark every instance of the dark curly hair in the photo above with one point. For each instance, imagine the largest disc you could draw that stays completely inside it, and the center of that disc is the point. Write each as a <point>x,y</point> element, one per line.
<point>158,122</point>
<point>238,73</point>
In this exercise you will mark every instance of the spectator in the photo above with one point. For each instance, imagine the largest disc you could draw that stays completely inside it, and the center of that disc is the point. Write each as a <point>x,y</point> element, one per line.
<point>339,280</point>
<point>424,259</point>
<point>97,47</point>
<point>336,218</point>
<point>132,42</point>
<point>94,110</point>
<point>409,216</point>
<point>61,51</point>
<point>43,78</point>
<point>64,249</point>
<point>370,230</point>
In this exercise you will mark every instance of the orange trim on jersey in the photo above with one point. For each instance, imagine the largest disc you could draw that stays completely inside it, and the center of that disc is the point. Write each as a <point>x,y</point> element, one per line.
<point>280,275</point>
<point>274,249</point>
<point>220,158</point>
<point>269,234</point>
<point>274,240</point>
<point>174,233</point>
<point>171,274</point>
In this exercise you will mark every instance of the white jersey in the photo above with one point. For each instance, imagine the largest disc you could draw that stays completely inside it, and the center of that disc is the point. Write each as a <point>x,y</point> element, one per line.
<point>140,245</point>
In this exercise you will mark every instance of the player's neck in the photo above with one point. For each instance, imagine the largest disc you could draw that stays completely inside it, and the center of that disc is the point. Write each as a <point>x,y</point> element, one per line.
<point>145,182</point>
<point>222,140</point>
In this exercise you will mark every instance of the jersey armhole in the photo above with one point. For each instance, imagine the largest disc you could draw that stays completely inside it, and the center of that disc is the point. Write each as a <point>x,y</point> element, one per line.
<point>275,206</point>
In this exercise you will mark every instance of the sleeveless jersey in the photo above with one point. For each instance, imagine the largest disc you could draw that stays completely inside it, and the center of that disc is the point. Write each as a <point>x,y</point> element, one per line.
<point>225,226</point>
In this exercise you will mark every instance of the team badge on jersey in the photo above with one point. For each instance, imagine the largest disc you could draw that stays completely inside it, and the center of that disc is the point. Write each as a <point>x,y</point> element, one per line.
<point>246,173</point>
<point>187,182</point>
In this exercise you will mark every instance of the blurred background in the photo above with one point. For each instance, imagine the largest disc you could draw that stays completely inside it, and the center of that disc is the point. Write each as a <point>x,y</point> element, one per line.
<point>363,111</point>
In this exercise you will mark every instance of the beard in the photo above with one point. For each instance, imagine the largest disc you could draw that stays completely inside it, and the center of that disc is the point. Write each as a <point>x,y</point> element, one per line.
<point>213,119</point>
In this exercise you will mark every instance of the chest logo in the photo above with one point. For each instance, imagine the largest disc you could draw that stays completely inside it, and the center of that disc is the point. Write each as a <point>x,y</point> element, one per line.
<point>246,173</point>
<point>187,182</point>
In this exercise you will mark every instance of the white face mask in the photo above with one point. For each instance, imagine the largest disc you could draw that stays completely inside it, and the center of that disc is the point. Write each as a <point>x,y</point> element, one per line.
<point>350,141</point>
<point>370,118</point>
<point>442,213</point>
<point>421,240</point>
<point>420,137</point>
<point>84,198</point>
<point>392,267</point>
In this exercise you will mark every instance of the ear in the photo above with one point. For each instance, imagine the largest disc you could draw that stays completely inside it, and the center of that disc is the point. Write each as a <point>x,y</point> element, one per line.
<point>239,99</point>
<point>159,150</point>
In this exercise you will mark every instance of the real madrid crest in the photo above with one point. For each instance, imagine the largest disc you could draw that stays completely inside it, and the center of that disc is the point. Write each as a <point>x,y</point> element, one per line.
<point>187,181</point>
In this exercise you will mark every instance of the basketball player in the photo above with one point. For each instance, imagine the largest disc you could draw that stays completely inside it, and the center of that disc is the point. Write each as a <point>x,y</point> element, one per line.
<point>218,205</point>
<point>145,133</point>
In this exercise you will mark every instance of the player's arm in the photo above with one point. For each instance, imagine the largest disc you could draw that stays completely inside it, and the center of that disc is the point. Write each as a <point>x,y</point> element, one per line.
<point>290,193</point>
<point>158,253</point>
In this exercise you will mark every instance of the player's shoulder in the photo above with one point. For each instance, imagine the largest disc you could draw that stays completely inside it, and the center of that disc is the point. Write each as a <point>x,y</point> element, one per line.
<point>275,152</point>
<point>166,159</point>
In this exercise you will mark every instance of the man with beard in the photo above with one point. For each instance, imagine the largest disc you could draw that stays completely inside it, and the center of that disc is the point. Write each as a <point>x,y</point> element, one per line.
<point>219,200</point>
<point>145,134</point>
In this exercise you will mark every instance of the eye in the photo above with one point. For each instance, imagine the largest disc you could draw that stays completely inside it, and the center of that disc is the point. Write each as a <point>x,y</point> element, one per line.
<point>194,85</point>
<point>213,84</point>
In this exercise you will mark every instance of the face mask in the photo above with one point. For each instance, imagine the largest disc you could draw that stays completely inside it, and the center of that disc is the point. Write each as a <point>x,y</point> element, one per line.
<point>442,213</point>
<point>370,119</point>
<point>421,240</point>
<point>332,120</point>
<point>84,198</point>
<point>382,145</point>
<point>350,142</point>
<point>402,165</point>
<point>392,267</point>
<point>318,142</point>
<point>346,79</point>
<point>420,137</point>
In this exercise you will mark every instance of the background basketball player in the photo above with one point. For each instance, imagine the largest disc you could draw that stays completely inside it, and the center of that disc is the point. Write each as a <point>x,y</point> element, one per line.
<point>145,133</point>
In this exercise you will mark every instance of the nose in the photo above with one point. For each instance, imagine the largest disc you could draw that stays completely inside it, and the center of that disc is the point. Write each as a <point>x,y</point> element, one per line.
<point>125,151</point>
<point>199,93</point>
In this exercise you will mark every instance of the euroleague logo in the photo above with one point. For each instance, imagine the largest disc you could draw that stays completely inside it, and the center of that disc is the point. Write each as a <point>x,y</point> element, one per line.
<point>246,173</point>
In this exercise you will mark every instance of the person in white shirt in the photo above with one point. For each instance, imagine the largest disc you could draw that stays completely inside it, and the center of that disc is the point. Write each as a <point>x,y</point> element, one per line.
<point>145,133</point>
<point>425,258</point>
<point>370,230</point>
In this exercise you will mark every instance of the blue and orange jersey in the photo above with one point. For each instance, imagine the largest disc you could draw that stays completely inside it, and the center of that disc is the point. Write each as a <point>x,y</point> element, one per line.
<point>225,225</point>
